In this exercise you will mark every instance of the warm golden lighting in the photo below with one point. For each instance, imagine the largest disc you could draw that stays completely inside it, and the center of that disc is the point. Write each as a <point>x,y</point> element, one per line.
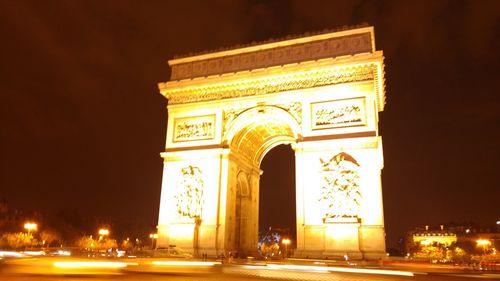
<point>220,128</point>
<point>30,226</point>
<point>89,264</point>
<point>425,242</point>
<point>185,263</point>
<point>483,242</point>
<point>103,231</point>
<point>9,254</point>
<point>338,269</point>
<point>286,242</point>
<point>153,236</point>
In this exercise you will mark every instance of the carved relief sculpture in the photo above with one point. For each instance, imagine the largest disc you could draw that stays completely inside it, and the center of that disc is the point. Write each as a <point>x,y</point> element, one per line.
<point>195,128</point>
<point>295,109</point>
<point>340,196</point>
<point>189,196</point>
<point>347,114</point>
<point>336,114</point>
<point>291,82</point>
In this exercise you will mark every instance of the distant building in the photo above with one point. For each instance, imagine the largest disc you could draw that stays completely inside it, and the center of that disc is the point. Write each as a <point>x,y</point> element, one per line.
<point>471,238</point>
<point>441,237</point>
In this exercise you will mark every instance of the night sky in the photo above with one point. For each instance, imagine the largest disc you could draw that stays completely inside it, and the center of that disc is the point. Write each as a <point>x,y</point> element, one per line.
<point>82,122</point>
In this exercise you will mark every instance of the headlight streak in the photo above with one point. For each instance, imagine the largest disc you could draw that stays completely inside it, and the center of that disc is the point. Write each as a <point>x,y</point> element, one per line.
<point>88,264</point>
<point>10,254</point>
<point>340,269</point>
<point>184,263</point>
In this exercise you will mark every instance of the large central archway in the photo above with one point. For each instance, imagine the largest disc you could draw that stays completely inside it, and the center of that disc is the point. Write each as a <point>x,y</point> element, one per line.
<point>321,94</point>
<point>250,136</point>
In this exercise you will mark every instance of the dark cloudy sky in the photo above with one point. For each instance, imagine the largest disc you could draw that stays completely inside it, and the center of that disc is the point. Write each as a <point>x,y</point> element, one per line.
<point>82,122</point>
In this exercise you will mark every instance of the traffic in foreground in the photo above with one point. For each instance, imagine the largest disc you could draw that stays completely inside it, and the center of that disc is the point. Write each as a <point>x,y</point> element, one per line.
<point>17,268</point>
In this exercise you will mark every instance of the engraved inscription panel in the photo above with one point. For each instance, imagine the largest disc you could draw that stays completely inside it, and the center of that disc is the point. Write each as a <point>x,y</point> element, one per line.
<point>340,113</point>
<point>194,128</point>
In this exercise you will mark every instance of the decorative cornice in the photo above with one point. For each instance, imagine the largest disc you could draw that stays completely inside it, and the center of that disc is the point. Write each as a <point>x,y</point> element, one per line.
<point>350,44</point>
<point>273,84</point>
<point>290,37</point>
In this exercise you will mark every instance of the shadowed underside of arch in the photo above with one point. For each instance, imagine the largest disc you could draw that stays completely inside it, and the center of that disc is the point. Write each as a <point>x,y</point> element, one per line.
<point>254,141</point>
<point>256,132</point>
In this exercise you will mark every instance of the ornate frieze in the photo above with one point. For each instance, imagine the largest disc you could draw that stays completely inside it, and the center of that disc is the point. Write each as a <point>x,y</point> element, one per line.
<point>331,47</point>
<point>340,193</point>
<point>189,195</point>
<point>302,80</point>
<point>340,113</point>
<point>194,128</point>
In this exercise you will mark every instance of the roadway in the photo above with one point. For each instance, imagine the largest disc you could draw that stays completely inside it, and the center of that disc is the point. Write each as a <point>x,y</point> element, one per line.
<point>49,268</point>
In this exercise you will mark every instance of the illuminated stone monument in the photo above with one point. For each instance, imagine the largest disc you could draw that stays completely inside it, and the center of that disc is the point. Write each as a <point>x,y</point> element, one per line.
<point>227,109</point>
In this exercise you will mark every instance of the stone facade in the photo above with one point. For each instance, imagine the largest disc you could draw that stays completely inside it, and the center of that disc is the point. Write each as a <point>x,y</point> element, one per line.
<point>226,110</point>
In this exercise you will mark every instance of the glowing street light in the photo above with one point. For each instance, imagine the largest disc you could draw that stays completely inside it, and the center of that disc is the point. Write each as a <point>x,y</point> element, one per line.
<point>153,237</point>
<point>483,243</point>
<point>103,232</point>
<point>286,242</point>
<point>30,226</point>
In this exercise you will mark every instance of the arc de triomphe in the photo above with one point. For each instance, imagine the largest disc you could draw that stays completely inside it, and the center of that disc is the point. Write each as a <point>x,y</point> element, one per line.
<point>227,109</point>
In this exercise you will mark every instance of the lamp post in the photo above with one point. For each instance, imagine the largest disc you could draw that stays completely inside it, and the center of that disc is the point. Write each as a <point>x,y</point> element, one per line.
<point>103,232</point>
<point>30,226</point>
<point>286,242</point>
<point>153,237</point>
<point>484,243</point>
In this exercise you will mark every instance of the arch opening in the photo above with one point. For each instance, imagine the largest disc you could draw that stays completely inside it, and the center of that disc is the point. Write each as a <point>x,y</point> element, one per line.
<point>252,135</point>
<point>277,197</point>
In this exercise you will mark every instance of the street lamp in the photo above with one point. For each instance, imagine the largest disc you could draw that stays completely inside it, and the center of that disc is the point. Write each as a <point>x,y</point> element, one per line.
<point>484,243</point>
<point>286,242</point>
<point>30,226</point>
<point>103,232</point>
<point>153,237</point>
